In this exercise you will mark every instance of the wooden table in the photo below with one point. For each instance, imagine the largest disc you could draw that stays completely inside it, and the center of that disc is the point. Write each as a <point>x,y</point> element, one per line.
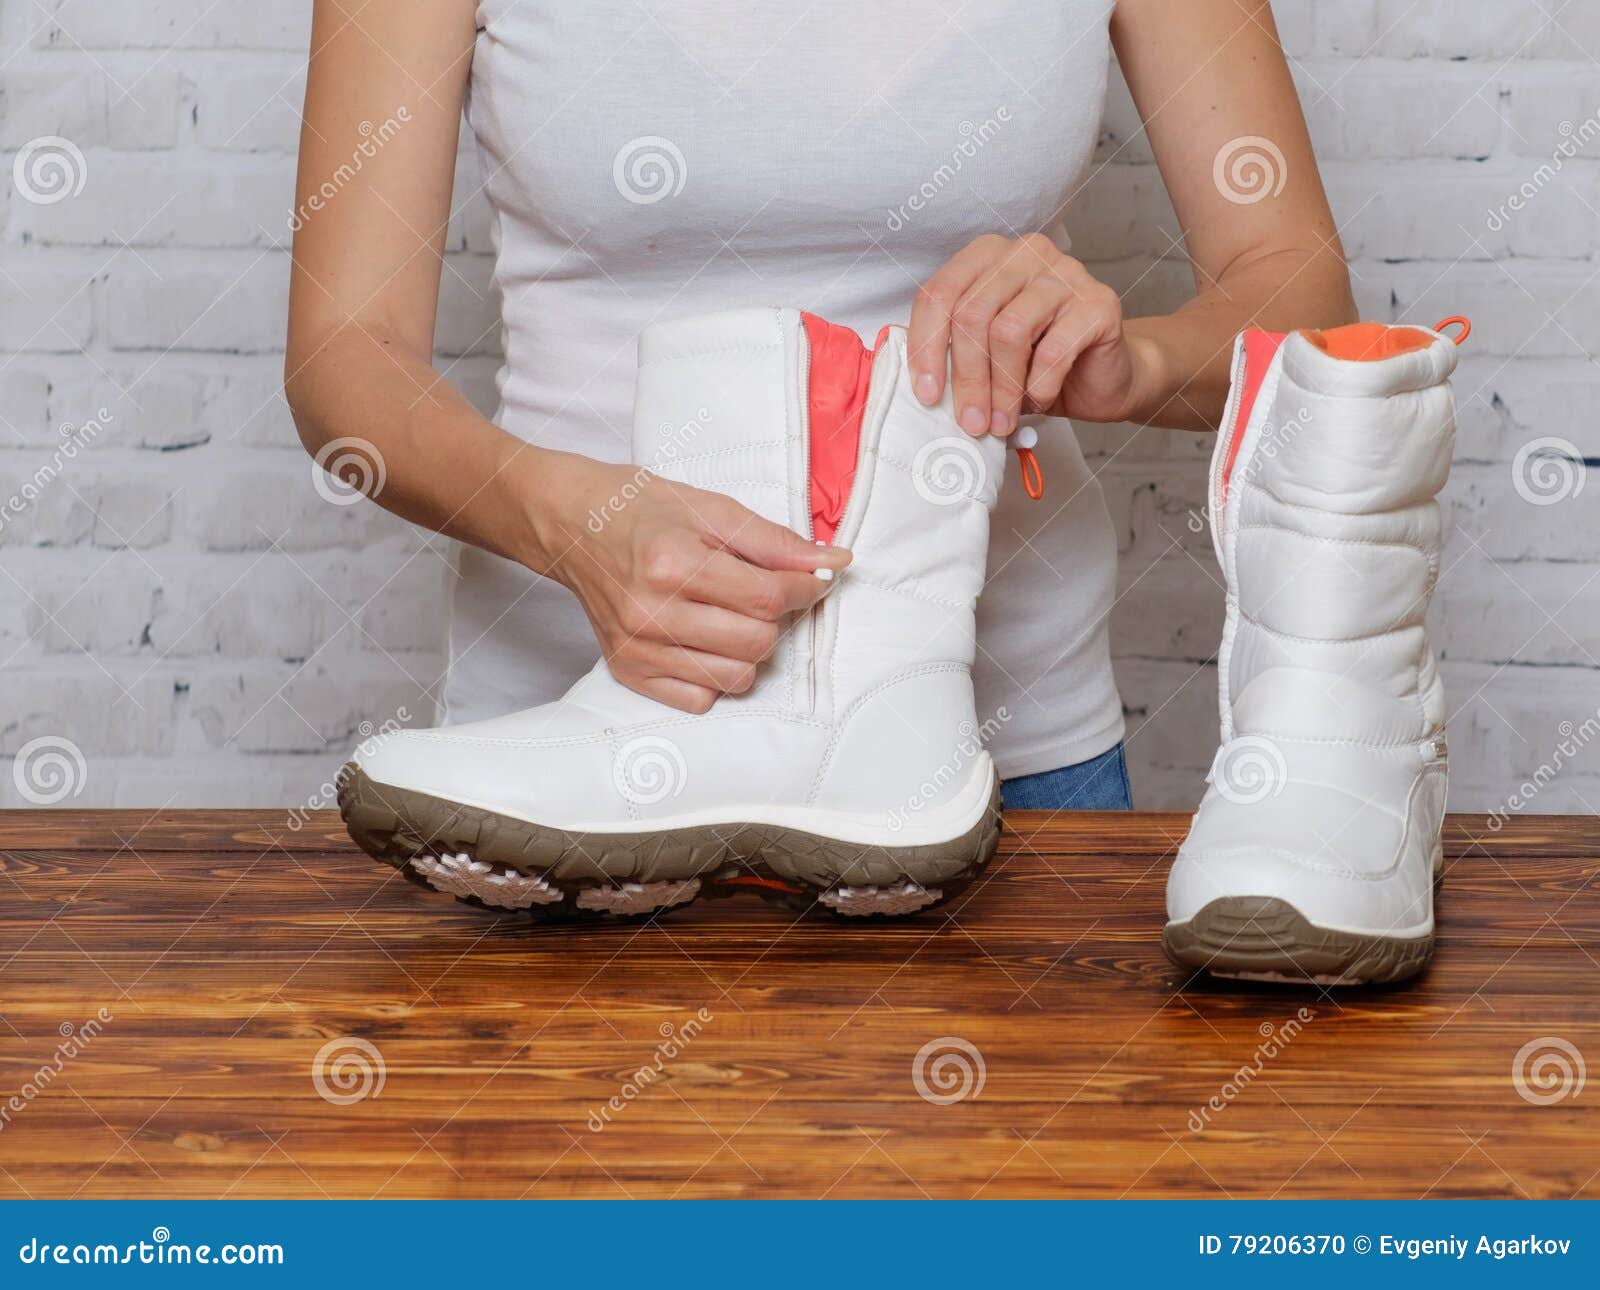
<point>228,951</point>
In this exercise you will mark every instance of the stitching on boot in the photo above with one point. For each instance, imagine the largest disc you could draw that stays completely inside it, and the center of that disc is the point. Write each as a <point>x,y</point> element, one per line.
<point>723,351</point>
<point>1331,541</point>
<point>1329,741</point>
<point>1324,640</point>
<point>748,483</point>
<point>575,741</point>
<point>977,499</point>
<point>708,455</point>
<point>904,589</point>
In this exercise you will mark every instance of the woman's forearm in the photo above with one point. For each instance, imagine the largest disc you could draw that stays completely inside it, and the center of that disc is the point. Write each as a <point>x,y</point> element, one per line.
<point>444,466</point>
<point>1184,357</point>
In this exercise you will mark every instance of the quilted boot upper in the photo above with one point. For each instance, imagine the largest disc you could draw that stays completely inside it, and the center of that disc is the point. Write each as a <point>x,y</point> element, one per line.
<point>1328,788</point>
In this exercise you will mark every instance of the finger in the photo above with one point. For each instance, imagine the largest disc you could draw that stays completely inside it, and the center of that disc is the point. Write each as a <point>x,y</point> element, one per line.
<point>715,630</point>
<point>1083,321</point>
<point>736,584</point>
<point>683,695</point>
<point>970,364</point>
<point>709,671</point>
<point>932,310</point>
<point>1015,331</point>
<point>772,546</point>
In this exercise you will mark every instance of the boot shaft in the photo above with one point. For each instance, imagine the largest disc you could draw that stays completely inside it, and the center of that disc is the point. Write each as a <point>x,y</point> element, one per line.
<point>1323,514</point>
<point>726,402</point>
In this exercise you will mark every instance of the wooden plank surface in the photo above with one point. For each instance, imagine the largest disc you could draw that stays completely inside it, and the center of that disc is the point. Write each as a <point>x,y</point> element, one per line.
<point>228,950</point>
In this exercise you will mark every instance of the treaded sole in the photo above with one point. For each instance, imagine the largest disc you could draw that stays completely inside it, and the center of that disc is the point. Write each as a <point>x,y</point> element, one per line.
<point>1261,938</point>
<point>503,863</point>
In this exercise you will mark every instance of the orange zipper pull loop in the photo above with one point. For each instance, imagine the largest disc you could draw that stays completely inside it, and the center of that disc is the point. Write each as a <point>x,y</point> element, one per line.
<point>1453,320</point>
<point>1032,476</point>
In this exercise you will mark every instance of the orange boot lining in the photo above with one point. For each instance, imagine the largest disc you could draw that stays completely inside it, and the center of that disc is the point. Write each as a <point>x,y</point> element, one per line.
<point>1367,342</point>
<point>841,370</point>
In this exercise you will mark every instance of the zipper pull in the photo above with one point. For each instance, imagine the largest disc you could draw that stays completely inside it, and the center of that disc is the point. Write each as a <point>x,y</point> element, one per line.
<point>1032,477</point>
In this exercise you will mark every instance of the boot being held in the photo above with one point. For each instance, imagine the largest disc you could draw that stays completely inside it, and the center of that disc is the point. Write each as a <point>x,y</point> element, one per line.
<point>853,772</point>
<point>1316,847</point>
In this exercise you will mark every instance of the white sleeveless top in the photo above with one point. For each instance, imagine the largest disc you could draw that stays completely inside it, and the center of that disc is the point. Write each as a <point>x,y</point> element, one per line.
<point>646,162</point>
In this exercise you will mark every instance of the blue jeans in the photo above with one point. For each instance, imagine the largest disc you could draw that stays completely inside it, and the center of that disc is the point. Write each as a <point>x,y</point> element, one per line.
<point>1099,784</point>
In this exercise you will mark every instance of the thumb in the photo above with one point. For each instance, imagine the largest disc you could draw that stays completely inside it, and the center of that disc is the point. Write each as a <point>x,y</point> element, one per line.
<point>772,546</point>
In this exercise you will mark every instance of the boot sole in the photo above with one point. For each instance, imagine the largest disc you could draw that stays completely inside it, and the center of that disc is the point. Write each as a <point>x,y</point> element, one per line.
<point>1261,938</point>
<point>504,863</point>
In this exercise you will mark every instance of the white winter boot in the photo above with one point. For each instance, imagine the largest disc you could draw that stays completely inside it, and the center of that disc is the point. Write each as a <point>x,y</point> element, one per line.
<point>1316,848</point>
<point>852,772</point>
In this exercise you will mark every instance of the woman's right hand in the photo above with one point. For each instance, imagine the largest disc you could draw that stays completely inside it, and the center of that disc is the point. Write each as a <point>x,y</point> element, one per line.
<point>687,590</point>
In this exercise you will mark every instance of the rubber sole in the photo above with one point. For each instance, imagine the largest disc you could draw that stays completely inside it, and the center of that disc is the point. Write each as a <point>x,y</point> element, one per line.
<point>1261,938</point>
<point>509,864</point>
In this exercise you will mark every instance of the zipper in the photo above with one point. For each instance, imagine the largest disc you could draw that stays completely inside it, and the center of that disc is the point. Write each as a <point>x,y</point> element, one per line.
<point>803,370</point>
<point>1216,505</point>
<point>850,517</point>
<point>1224,441</point>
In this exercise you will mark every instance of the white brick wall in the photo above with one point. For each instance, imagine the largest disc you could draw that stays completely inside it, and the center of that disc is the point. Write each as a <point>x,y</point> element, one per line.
<point>181,605</point>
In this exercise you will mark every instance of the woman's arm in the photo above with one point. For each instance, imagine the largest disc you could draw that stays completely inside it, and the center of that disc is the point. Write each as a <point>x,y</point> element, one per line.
<point>684,588</point>
<point>368,250</point>
<point>1030,329</point>
<point>1206,75</point>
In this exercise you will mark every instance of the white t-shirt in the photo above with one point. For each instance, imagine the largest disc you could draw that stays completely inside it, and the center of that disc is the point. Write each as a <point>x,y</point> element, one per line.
<point>646,162</point>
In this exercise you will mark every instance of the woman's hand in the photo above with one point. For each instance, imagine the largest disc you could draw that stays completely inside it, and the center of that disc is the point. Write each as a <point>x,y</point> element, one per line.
<point>687,590</point>
<point>1028,329</point>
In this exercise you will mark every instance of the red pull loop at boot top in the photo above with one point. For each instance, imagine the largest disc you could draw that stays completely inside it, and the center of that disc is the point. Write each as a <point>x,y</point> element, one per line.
<point>1453,320</point>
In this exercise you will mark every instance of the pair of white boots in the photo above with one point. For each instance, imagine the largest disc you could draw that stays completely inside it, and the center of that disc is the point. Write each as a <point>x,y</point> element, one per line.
<point>853,772</point>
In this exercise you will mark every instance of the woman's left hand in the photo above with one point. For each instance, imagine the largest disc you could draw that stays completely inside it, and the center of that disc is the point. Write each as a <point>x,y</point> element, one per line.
<point>1028,329</point>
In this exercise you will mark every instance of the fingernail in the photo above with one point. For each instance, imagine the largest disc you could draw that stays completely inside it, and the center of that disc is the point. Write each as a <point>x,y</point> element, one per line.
<point>972,421</point>
<point>927,388</point>
<point>999,423</point>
